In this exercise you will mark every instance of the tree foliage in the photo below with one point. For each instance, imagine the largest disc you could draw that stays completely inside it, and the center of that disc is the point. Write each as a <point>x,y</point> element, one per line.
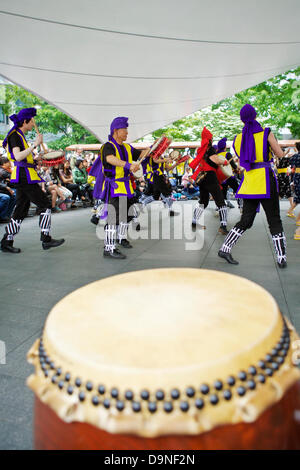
<point>48,119</point>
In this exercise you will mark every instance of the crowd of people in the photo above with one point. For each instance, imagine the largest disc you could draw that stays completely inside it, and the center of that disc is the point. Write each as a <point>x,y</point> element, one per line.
<point>114,177</point>
<point>67,185</point>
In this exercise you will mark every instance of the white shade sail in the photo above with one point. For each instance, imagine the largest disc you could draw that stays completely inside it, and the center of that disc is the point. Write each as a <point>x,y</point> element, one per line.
<point>154,62</point>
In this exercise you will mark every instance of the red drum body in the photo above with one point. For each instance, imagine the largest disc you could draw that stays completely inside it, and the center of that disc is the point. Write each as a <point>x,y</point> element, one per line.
<point>159,147</point>
<point>276,429</point>
<point>53,158</point>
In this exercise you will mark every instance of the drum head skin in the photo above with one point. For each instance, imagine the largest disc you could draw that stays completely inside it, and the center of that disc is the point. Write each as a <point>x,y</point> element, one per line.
<point>164,351</point>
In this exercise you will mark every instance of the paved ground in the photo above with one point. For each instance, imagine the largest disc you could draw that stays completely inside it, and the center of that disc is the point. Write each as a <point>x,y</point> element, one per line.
<point>33,281</point>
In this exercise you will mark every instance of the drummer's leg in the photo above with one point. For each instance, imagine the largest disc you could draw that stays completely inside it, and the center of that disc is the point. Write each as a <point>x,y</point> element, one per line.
<point>40,199</point>
<point>246,221</point>
<point>218,197</point>
<point>272,211</point>
<point>110,230</point>
<point>165,193</point>
<point>124,219</point>
<point>14,225</point>
<point>201,205</point>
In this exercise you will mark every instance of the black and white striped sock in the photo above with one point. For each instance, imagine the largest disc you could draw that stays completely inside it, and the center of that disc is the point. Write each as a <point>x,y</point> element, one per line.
<point>12,228</point>
<point>198,211</point>
<point>122,231</point>
<point>223,211</point>
<point>231,239</point>
<point>279,241</point>
<point>45,222</point>
<point>110,238</point>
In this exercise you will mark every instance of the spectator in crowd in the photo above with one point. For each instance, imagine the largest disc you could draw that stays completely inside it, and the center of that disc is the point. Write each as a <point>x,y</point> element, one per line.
<point>188,187</point>
<point>77,155</point>
<point>80,177</point>
<point>66,193</point>
<point>51,188</point>
<point>7,194</point>
<point>65,175</point>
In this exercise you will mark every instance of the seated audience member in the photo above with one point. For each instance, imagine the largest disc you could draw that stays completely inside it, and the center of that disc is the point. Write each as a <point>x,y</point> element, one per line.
<point>51,188</point>
<point>80,177</point>
<point>66,177</point>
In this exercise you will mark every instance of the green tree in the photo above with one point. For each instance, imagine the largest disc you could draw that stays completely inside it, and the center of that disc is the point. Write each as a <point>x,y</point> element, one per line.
<point>48,119</point>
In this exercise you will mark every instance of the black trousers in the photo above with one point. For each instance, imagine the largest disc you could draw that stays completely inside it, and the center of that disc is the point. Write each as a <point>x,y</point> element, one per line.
<point>271,208</point>
<point>210,185</point>
<point>230,183</point>
<point>160,187</point>
<point>75,190</point>
<point>118,210</point>
<point>27,193</point>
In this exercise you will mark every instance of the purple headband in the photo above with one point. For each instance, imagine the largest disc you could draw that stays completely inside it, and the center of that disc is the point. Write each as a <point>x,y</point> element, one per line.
<point>118,123</point>
<point>248,154</point>
<point>222,144</point>
<point>26,113</point>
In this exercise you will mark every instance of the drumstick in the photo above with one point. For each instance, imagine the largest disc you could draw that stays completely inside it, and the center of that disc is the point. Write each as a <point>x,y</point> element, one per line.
<point>37,131</point>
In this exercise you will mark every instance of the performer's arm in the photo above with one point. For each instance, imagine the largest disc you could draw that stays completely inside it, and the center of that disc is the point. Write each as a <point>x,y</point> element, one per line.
<point>114,161</point>
<point>171,167</point>
<point>275,145</point>
<point>19,156</point>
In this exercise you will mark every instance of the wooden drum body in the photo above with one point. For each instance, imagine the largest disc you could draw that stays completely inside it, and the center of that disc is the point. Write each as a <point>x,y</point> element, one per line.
<point>204,369</point>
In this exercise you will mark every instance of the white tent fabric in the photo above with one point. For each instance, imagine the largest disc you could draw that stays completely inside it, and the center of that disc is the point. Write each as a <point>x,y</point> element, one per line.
<point>154,62</point>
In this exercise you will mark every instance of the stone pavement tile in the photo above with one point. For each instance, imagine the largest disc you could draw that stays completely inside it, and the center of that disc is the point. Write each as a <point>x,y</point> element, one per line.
<point>16,413</point>
<point>16,435</point>
<point>25,316</point>
<point>13,334</point>
<point>16,362</point>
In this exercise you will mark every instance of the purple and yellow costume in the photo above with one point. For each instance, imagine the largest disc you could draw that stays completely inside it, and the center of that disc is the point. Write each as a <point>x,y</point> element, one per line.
<point>113,185</point>
<point>26,180</point>
<point>258,186</point>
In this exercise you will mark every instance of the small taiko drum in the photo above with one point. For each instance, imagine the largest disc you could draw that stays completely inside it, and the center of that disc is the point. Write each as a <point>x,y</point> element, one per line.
<point>206,368</point>
<point>53,158</point>
<point>224,171</point>
<point>159,147</point>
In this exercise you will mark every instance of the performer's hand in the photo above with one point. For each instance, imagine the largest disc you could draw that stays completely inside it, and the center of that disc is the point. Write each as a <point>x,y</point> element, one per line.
<point>38,140</point>
<point>134,167</point>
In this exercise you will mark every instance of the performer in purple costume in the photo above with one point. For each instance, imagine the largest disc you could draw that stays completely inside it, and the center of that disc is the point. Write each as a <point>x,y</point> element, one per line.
<point>26,181</point>
<point>112,170</point>
<point>258,186</point>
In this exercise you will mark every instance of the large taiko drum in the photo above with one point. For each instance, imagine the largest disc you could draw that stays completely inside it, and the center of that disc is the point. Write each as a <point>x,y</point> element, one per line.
<point>205,368</point>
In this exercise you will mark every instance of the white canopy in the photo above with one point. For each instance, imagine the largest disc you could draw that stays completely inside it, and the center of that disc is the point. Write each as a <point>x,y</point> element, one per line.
<point>154,62</point>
